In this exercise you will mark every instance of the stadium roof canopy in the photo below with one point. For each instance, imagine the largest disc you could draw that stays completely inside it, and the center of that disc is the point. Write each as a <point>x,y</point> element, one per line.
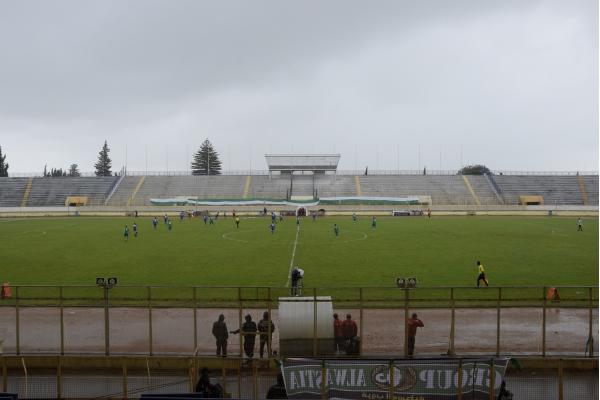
<point>302,162</point>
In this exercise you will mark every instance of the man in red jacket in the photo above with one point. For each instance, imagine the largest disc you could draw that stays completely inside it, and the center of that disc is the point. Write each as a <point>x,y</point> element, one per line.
<point>413,323</point>
<point>350,330</point>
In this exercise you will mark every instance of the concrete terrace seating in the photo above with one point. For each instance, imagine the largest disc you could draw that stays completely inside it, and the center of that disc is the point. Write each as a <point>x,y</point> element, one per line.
<point>303,185</point>
<point>205,187</point>
<point>54,191</point>
<point>483,189</point>
<point>265,187</point>
<point>12,191</point>
<point>335,186</point>
<point>591,187</point>
<point>556,189</point>
<point>443,189</point>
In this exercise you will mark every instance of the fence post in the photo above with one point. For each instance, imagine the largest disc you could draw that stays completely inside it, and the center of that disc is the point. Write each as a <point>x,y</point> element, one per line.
<point>223,376</point>
<point>150,339</point>
<point>17,325</point>
<point>459,381</point>
<point>240,322</point>
<point>544,324</point>
<point>590,323</point>
<point>270,336</point>
<point>498,322</point>
<point>405,322</point>
<point>59,378</point>
<point>391,379</point>
<point>315,322</point>
<point>323,379</point>
<point>4,375</point>
<point>451,351</point>
<point>191,374</point>
<point>239,377</point>
<point>254,383</point>
<point>492,380</point>
<point>195,320</point>
<point>125,378</point>
<point>62,322</point>
<point>560,380</point>
<point>106,323</point>
<point>360,324</point>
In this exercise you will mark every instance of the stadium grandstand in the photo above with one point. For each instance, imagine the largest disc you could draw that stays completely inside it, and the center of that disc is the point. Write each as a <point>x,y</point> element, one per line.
<point>307,178</point>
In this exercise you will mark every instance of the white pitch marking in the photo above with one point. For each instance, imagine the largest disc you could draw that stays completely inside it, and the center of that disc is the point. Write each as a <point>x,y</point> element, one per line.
<point>287,283</point>
<point>226,236</point>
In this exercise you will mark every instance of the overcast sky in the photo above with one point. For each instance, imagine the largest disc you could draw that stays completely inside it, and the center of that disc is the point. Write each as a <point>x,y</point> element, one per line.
<point>510,84</point>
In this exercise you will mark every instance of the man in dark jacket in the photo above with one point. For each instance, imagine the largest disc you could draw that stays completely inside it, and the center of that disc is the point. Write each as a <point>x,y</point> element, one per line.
<point>338,335</point>
<point>248,330</point>
<point>266,328</point>
<point>219,331</point>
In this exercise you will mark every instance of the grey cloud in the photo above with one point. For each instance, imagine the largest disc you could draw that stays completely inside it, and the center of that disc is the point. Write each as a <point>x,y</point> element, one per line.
<point>514,83</point>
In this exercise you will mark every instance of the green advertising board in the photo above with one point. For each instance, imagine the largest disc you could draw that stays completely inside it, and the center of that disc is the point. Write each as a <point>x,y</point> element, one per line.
<point>423,379</point>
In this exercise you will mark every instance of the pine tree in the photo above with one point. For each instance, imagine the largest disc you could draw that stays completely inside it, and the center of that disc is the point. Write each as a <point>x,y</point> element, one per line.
<point>104,163</point>
<point>206,160</point>
<point>3,164</point>
<point>74,170</point>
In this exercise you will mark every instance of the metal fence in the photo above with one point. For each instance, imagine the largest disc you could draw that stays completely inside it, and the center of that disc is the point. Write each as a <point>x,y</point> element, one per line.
<point>71,377</point>
<point>141,319</point>
<point>339,172</point>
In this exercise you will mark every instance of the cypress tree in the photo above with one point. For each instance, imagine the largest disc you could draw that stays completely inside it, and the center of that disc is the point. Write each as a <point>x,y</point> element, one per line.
<point>206,160</point>
<point>3,164</point>
<point>104,163</point>
<point>74,170</point>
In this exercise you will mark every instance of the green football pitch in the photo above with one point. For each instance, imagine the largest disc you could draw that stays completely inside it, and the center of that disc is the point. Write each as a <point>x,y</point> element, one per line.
<point>441,251</point>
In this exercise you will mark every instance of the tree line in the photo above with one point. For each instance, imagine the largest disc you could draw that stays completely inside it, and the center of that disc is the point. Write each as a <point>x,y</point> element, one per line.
<point>205,161</point>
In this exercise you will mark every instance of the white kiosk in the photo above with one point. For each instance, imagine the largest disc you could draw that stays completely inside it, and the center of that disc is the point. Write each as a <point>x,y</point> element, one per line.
<point>306,326</point>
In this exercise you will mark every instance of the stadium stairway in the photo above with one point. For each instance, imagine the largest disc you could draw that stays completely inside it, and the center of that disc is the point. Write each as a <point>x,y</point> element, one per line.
<point>124,191</point>
<point>582,189</point>
<point>483,189</point>
<point>591,185</point>
<point>470,189</point>
<point>27,191</point>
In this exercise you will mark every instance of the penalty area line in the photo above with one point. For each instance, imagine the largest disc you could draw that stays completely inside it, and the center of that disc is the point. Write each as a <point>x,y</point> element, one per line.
<point>287,283</point>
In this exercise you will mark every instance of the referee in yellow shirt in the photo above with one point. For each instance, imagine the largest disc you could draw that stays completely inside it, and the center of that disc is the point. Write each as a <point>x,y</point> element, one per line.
<point>481,276</point>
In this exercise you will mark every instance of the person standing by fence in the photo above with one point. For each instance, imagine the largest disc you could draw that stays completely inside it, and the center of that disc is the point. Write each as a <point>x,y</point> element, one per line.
<point>220,333</point>
<point>248,330</point>
<point>266,328</point>
<point>338,334</point>
<point>413,323</point>
<point>350,331</point>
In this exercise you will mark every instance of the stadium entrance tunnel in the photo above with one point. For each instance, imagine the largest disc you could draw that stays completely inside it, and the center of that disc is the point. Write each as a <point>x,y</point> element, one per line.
<point>301,212</point>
